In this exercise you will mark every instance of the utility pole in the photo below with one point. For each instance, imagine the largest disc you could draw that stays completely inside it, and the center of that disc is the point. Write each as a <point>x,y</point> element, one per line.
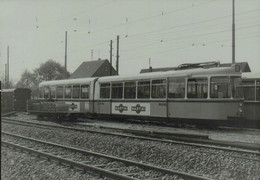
<point>7,70</point>
<point>117,55</point>
<point>233,32</point>
<point>111,57</point>
<point>65,50</point>
<point>91,54</point>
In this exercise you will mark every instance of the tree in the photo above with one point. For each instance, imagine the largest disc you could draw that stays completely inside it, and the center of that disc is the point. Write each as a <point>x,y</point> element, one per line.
<point>50,70</point>
<point>28,80</point>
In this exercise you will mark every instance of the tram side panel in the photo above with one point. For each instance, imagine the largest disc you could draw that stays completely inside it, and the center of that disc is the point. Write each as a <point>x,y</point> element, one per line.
<point>252,111</point>
<point>159,109</point>
<point>210,110</point>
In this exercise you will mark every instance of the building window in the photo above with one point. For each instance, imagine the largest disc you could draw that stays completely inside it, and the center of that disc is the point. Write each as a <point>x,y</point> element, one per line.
<point>130,90</point>
<point>220,87</point>
<point>84,91</point>
<point>105,91</point>
<point>76,91</point>
<point>60,92</point>
<point>159,88</point>
<point>68,92</point>
<point>144,89</point>
<point>197,88</point>
<point>117,90</point>
<point>176,88</point>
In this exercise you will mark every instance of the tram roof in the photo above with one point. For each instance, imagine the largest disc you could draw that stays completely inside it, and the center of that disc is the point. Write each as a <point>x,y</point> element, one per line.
<point>66,81</point>
<point>252,75</point>
<point>174,73</point>
<point>7,90</point>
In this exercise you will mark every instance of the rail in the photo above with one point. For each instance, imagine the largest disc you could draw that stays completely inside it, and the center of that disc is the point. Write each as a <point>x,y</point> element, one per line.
<point>95,169</point>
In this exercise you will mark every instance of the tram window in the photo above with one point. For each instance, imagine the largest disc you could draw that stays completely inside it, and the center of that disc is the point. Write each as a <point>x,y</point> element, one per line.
<point>249,92</point>
<point>84,91</point>
<point>176,88</point>
<point>197,88</point>
<point>105,91</point>
<point>249,83</point>
<point>52,92</point>
<point>159,88</point>
<point>76,91</point>
<point>257,88</point>
<point>59,92</point>
<point>46,92</point>
<point>258,93</point>
<point>117,90</point>
<point>130,90</point>
<point>143,89</point>
<point>41,92</point>
<point>220,87</point>
<point>68,92</point>
<point>237,88</point>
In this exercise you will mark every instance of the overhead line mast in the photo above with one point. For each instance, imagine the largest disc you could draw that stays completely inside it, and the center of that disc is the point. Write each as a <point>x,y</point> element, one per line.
<point>233,32</point>
<point>117,56</point>
<point>66,50</point>
<point>111,58</point>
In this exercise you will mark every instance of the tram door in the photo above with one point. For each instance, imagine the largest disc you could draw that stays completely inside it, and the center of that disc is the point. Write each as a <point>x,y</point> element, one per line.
<point>158,95</point>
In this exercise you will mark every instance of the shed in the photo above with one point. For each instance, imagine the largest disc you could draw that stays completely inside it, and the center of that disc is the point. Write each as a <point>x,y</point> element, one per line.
<point>96,68</point>
<point>14,99</point>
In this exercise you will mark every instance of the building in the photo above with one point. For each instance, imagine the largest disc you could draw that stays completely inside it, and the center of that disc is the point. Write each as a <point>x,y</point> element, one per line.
<point>96,68</point>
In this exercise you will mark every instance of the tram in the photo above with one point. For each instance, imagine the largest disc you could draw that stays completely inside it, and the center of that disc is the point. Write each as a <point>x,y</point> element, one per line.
<point>198,95</point>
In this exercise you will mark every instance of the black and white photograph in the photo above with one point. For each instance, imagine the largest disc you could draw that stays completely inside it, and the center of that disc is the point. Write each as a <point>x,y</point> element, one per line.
<point>130,89</point>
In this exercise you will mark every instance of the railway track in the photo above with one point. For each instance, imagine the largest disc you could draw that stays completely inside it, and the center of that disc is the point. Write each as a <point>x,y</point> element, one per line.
<point>97,163</point>
<point>247,148</point>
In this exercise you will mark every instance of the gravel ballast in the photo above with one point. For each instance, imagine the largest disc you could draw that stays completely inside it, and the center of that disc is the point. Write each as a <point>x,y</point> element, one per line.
<point>240,135</point>
<point>19,165</point>
<point>171,156</point>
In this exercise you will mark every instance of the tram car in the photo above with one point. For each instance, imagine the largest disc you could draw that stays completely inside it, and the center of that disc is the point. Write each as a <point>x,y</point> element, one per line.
<point>251,86</point>
<point>14,99</point>
<point>200,96</point>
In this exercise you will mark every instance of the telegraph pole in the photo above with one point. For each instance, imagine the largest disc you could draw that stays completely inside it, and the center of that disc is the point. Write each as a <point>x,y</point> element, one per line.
<point>233,32</point>
<point>111,57</point>
<point>66,50</point>
<point>117,55</point>
<point>7,69</point>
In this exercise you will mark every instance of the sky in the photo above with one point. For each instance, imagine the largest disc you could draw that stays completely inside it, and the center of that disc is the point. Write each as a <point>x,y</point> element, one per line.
<point>168,32</point>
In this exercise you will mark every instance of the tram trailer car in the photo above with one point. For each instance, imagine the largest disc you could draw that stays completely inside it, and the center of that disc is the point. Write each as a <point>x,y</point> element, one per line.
<point>14,99</point>
<point>208,96</point>
<point>64,98</point>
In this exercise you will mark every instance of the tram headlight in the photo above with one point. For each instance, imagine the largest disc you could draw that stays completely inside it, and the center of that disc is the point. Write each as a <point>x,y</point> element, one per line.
<point>240,110</point>
<point>240,104</point>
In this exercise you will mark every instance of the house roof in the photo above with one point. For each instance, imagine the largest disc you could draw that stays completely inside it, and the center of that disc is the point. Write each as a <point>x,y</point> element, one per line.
<point>87,69</point>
